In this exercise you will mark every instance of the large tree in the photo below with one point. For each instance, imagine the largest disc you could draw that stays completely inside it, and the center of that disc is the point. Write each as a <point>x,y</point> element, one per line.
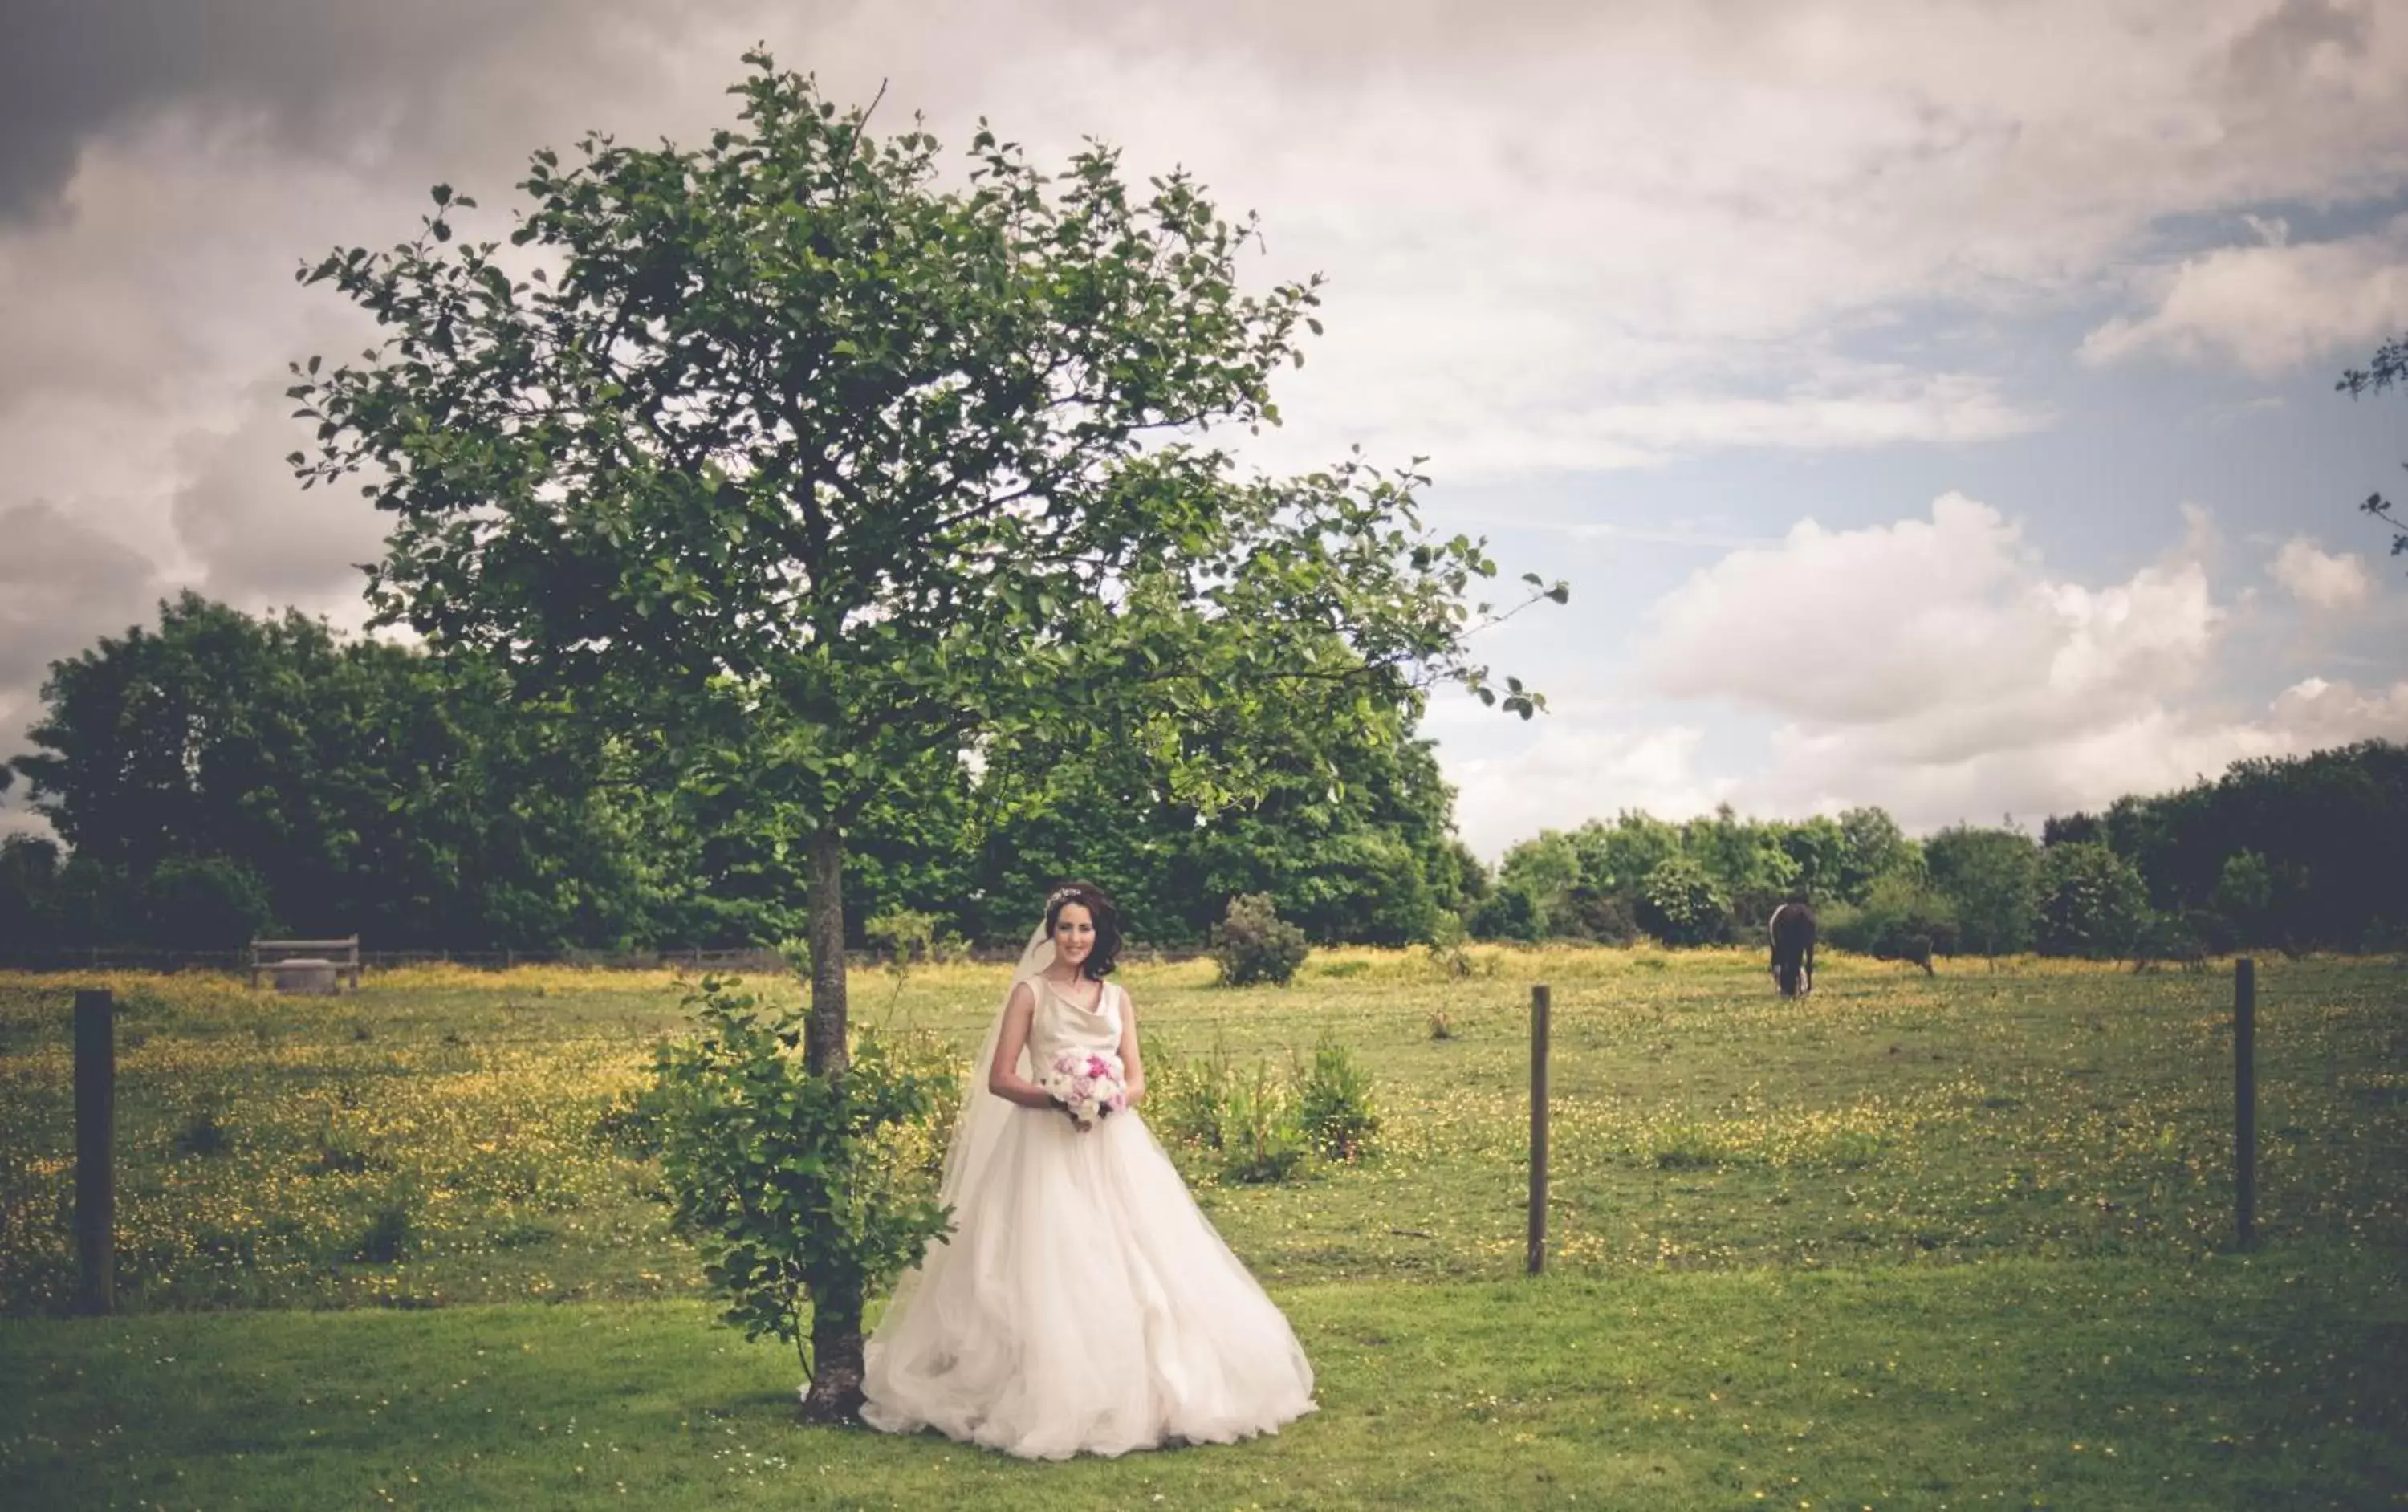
<point>356,785</point>
<point>826,473</point>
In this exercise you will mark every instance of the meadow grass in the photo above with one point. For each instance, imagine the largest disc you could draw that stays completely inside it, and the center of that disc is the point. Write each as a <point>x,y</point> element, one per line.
<point>2035,1155</point>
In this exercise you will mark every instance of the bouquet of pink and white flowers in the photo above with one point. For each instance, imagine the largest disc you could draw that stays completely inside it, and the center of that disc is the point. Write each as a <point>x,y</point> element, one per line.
<point>1087,1085</point>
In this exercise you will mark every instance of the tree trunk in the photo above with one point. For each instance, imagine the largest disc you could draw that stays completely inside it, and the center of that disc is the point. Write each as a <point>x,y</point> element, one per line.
<point>834,1395</point>
<point>823,1044</point>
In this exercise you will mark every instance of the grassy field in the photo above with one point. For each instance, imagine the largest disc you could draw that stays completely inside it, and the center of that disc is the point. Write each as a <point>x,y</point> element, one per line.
<point>1955,1239</point>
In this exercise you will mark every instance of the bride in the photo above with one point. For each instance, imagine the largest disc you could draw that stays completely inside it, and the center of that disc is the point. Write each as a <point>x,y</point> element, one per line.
<point>1084,1302</point>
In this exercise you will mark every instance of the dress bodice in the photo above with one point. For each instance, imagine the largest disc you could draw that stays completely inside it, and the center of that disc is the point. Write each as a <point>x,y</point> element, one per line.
<point>1059,1026</point>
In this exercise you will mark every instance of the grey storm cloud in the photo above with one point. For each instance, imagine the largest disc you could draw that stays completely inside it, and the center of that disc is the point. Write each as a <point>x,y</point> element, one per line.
<point>63,585</point>
<point>315,74</point>
<point>309,73</point>
<point>255,534</point>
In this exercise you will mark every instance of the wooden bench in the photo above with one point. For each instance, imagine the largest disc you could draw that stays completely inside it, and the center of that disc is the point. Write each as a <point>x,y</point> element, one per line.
<point>343,955</point>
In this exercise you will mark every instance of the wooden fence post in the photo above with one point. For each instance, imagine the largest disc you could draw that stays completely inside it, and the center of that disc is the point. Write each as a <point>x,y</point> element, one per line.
<point>95,1115</point>
<point>1540,1005</point>
<point>2244,1100</point>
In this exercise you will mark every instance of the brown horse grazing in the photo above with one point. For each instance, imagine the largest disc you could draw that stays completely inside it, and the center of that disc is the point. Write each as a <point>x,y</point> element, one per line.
<point>1793,948</point>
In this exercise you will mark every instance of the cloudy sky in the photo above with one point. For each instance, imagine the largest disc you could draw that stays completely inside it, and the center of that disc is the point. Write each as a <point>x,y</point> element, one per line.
<point>1930,403</point>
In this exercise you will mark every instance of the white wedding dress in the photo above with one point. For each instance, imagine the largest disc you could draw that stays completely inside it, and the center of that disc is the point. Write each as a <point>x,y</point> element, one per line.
<point>1083,1304</point>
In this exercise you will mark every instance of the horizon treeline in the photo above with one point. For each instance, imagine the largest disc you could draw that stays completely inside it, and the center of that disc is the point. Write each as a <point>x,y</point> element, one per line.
<point>220,775</point>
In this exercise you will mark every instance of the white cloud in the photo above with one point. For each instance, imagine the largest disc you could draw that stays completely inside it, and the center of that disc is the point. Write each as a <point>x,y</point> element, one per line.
<point>2272,307</point>
<point>1936,637</point>
<point>1937,667</point>
<point>1570,773</point>
<point>1852,414</point>
<point>2319,579</point>
<point>2314,712</point>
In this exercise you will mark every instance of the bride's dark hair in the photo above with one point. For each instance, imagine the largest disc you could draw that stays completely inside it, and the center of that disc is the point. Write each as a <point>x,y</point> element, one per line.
<point>1107,917</point>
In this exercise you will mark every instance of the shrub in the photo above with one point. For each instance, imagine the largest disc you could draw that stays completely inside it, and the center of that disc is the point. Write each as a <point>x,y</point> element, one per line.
<point>630,1123</point>
<point>1899,920</point>
<point>1334,1104</point>
<point>1253,944</point>
<point>2092,903</point>
<point>1680,905</point>
<point>1989,875</point>
<point>1445,945</point>
<point>1606,917</point>
<point>904,936</point>
<point>203,1135</point>
<point>2244,896</point>
<point>208,903</point>
<point>1252,1127</point>
<point>389,1238</point>
<point>1509,913</point>
<point>782,1177</point>
<point>2171,938</point>
<point>1264,1139</point>
<point>1188,1097</point>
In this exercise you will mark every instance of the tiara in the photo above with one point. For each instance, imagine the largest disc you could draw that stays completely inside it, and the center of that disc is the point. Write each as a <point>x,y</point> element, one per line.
<point>1061,895</point>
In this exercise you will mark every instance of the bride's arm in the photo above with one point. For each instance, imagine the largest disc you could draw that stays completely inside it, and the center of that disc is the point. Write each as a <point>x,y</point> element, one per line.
<point>1132,1065</point>
<point>1003,1078</point>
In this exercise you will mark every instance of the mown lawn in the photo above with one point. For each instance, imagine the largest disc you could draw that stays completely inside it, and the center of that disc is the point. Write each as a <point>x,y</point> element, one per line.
<point>2271,1380</point>
<point>2012,1181</point>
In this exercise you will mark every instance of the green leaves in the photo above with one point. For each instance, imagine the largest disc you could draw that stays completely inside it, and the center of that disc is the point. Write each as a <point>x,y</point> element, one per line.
<point>779,1177</point>
<point>894,462</point>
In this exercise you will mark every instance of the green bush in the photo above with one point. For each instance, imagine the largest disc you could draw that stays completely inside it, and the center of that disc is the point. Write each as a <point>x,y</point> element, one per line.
<point>2244,896</point>
<point>1252,1128</point>
<point>1989,875</point>
<point>1253,944</point>
<point>1680,905</point>
<point>208,903</point>
<point>205,1134</point>
<point>903,935</point>
<point>390,1236</point>
<point>783,1178</point>
<point>1187,1097</point>
<point>1606,917</point>
<point>2174,939</point>
<point>1447,938</point>
<point>1264,1139</point>
<point>1509,913</point>
<point>1334,1104</point>
<point>2092,903</point>
<point>1901,920</point>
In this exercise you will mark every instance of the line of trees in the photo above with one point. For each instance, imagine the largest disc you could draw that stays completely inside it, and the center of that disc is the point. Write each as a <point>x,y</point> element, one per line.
<point>218,774</point>
<point>2294,854</point>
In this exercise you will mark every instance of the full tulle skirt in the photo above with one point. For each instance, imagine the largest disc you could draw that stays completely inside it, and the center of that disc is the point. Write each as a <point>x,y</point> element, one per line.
<point>1083,1304</point>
